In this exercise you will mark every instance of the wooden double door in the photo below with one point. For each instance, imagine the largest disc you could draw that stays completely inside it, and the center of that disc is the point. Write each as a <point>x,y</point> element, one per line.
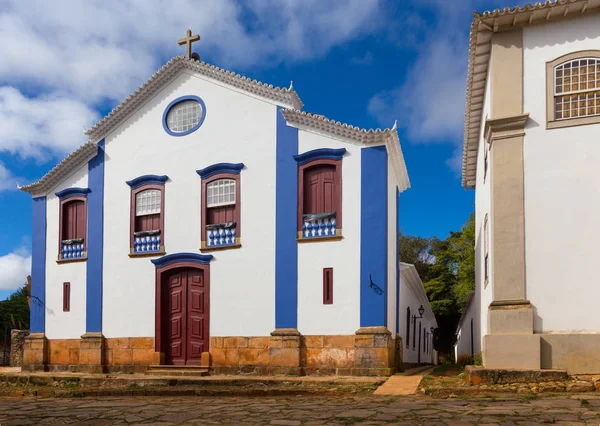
<point>184,311</point>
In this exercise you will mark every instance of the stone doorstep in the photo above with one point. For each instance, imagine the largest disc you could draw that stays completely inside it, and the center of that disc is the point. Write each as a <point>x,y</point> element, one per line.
<point>492,376</point>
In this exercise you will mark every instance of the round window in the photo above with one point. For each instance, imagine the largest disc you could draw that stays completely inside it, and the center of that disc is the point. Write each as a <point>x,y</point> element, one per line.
<point>184,115</point>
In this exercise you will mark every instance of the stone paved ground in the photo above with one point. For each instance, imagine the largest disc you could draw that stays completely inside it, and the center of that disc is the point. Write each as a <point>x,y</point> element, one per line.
<point>300,410</point>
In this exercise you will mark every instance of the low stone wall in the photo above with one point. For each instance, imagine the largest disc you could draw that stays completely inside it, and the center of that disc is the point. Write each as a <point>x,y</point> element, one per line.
<point>17,346</point>
<point>370,352</point>
<point>489,376</point>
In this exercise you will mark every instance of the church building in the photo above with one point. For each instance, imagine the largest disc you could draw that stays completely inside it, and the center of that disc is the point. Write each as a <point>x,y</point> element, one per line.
<point>210,222</point>
<point>532,153</point>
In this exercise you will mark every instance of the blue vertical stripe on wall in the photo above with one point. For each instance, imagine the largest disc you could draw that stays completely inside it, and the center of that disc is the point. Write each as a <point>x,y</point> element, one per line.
<point>373,236</point>
<point>397,260</point>
<point>95,205</point>
<point>38,266</point>
<point>286,247</point>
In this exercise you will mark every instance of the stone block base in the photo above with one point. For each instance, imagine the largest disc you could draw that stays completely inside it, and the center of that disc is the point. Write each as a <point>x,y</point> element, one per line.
<point>488,376</point>
<point>575,353</point>
<point>35,352</point>
<point>512,351</point>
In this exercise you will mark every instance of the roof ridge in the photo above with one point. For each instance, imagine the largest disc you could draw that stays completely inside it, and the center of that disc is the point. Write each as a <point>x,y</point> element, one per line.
<point>175,64</point>
<point>323,118</point>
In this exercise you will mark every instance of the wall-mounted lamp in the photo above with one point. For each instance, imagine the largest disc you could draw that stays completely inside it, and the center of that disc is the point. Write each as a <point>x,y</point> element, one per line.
<point>432,330</point>
<point>421,312</point>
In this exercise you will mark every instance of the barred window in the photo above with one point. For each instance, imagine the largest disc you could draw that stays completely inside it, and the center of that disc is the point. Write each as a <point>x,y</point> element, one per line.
<point>220,193</point>
<point>184,116</point>
<point>147,202</point>
<point>577,88</point>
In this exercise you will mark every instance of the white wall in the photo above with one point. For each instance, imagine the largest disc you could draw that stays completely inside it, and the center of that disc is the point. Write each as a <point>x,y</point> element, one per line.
<point>237,128</point>
<point>561,190</point>
<point>409,298</point>
<point>463,340</point>
<point>343,316</point>
<point>483,291</point>
<point>59,324</point>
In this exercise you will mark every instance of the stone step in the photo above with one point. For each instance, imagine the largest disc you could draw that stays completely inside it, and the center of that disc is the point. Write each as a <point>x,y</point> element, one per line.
<point>177,370</point>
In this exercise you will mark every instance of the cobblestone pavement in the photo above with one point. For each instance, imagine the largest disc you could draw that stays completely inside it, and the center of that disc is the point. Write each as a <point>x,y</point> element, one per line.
<point>299,410</point>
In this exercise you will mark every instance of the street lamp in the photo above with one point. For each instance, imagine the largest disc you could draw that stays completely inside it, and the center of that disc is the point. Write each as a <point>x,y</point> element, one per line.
<point>421,312</point>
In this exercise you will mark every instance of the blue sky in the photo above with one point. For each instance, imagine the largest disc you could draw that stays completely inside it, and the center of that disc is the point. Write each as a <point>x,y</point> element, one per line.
<point>363,62</point>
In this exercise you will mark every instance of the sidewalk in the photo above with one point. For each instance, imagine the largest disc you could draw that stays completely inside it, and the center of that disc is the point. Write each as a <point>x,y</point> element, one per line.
<point>19,383</point>
<point>404,383</point>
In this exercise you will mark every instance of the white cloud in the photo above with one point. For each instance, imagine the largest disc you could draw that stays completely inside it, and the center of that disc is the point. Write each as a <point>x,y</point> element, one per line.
<point>31,127</point>
<point>63,60</point>
<point>14,268</point>
<point>7,180</point>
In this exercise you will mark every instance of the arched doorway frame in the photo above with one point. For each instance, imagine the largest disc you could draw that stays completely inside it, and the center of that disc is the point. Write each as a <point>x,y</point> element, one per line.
<point>164,265</point>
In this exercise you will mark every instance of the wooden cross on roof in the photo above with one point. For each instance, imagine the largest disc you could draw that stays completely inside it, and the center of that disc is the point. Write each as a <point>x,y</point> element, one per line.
<point>188,40</point>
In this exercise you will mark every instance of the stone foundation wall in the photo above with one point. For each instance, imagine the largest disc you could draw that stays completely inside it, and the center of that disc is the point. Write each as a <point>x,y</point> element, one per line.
<point>130,354</point>
<point>17,346</point>
<point>368,353</point>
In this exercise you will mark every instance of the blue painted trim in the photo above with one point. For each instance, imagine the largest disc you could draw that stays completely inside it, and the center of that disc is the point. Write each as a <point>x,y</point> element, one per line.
<point>147,180</point>
<point>175,102</point>
<point>69,192</point>
<point>182,257</point>
<point>220,168</point>
<point>397,259</point>
<point>95,242</point>
<point>286,210</point>
<point>373,235</point>
<point>37,316</point>
<point>320,154</point>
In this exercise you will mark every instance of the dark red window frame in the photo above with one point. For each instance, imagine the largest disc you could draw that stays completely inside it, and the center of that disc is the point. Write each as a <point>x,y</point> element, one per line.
<point>62,206</point>
<point>161,221</point>
<point>337,196</point>
<point>327,286</point>
<point>204,209</point>
<point>408,327</point>
<point>66,297</point>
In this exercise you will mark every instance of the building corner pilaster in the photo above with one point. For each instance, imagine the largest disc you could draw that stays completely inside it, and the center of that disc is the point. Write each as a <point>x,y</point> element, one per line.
<point>91,353</point>
<point>284,352</point>
<point>35,352</point>
<point>374,352</point>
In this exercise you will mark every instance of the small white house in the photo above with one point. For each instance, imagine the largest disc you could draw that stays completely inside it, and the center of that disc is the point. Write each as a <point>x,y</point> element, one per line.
<point>210,221</point>
<point>417,322</point>
<point>465,331</point>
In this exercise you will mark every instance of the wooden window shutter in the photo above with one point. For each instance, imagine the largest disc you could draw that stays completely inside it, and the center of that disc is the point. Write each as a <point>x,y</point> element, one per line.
<point>328,286</point>
<point>66,297</point>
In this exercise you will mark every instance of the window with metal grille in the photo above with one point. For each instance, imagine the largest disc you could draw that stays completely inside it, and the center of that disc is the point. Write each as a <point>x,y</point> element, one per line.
<point>577,89</point>
<point>220,193</point>
<point>147,202</point>
<point>184,116</point>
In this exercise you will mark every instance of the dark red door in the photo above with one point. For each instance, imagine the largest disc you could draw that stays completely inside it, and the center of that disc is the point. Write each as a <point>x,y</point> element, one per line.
<point>186,317</point>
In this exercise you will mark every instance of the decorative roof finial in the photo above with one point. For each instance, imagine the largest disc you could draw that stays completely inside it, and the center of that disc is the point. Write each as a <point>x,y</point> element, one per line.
<point>291,85</point>
<point>395,125</point>
<point>188,40</point>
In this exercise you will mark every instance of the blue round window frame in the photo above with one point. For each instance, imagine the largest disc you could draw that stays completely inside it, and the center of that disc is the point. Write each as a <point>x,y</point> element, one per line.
<point>177,101</point>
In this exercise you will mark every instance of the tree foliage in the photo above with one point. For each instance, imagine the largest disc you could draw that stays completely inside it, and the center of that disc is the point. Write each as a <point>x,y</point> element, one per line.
<point>17,305</point>
<point>447,269</point>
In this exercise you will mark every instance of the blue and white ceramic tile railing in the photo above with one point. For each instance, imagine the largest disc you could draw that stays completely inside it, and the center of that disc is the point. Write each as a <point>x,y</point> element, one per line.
<point>318,225</point>
<point>222,234</point>
<point>146,242</point>
<point>72,249</point>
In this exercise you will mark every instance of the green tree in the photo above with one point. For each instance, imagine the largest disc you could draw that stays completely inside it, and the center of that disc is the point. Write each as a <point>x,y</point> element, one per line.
<point>447,269</point>
<point>17,305</point>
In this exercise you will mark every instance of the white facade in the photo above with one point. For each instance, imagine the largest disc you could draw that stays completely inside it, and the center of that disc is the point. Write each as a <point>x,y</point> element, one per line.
<point>417,339</point>
<point>561,182</point>
<point>560,163</point>
<point>239,127</point>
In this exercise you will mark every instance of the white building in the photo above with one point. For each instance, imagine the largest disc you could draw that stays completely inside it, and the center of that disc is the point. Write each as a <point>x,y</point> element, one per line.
<point>417,322</point>
<point>209,221</point>
<point>531,151</point>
